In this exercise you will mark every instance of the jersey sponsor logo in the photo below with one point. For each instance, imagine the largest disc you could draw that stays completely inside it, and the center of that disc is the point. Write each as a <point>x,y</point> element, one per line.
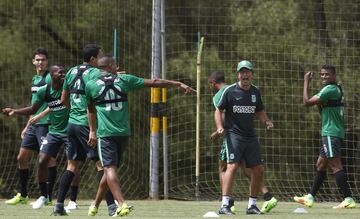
<point>244,109</point>
<point>253,98</point>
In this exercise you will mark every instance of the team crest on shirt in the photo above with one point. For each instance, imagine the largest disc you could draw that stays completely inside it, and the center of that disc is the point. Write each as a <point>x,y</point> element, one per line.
<point>253,98</point>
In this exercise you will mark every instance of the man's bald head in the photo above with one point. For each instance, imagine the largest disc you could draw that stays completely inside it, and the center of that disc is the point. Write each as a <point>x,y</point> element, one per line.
<point>107,63</point>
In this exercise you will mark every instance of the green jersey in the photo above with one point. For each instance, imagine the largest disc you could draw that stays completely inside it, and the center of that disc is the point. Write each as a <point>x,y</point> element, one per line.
<point>37,82</point>
<point>332,113</point>
<point>59,114</point>
<point>75,84</point>
<point>217,96</point>
<point>110,99</point>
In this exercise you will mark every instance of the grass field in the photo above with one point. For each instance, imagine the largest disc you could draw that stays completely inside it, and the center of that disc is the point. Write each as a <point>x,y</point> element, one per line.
<point>184,209</point>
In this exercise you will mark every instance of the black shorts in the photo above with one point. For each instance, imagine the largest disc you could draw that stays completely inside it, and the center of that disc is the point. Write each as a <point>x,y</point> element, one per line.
<point>33,137</point>
<point>52,144</point>
<point>239,149</point>
<point>331,146</point>
<point>79,150</point>
<point>111,149</point>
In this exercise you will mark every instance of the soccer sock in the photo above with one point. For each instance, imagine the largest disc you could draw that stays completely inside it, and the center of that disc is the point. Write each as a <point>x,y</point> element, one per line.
<point>268,196</point>
<point>52,172</point>
<point>252,201</point>
<point>341,181</point>
<point>73,193</point>
<point>318,181</point>
<point>65,183</point>
<point>43,188</point>
<point>24,177</point>
<point>108,196</point>
<point>225,200</point>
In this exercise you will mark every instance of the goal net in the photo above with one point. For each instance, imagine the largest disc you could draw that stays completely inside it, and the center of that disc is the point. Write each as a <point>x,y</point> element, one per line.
<point>283,39</point>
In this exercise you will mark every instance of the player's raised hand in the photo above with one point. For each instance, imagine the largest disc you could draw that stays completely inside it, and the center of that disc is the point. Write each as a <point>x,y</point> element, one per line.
<point>187,89</point>
<point>308,76</point>
<point>8,111</point>
<point>92,139</point>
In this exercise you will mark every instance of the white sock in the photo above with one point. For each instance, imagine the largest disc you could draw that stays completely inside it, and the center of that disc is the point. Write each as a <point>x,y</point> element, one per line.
<point>225,200</point>
<point>252,201</point>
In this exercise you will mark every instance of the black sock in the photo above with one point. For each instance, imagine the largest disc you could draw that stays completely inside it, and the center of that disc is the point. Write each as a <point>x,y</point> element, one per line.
<point>64,186</point>
<point>24,177</point>
<point>108,196</point>
<point>318,181</point>
<point>341,181</point>
<point>52,172</point>
<point>73,193</point>
<point>268,196</point>
<point>43,188</point>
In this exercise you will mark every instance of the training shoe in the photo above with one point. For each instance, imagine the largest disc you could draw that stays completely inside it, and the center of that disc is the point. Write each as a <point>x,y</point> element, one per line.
<point>226,209</point>
<point>59,210</point>
<point>40,202</point>
<point>71,206</point>
<point>268,205</point>
<point>347,203</point>
<point>253,210</point>
<point>307,200</point>
<point>93,210</point>
<point>122,211</point>
<point>17,199</point>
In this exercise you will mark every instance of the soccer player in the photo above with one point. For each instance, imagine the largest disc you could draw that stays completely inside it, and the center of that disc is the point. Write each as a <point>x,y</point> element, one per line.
<point>73,96</point>
<point>217,83</point>
<point>56,137</point>
<point>330,101</point>
<point>108,108</point>
<point>33,134</point>
<point>241,102</point>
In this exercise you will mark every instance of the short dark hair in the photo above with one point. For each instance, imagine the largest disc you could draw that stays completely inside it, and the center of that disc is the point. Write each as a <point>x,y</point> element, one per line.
<point>329,67</point>
<point>90,50</point>
<point>40,51</point>
<point>217,76</point>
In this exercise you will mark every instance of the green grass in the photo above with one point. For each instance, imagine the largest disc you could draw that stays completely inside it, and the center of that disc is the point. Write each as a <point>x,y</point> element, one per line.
<point>146,209</point>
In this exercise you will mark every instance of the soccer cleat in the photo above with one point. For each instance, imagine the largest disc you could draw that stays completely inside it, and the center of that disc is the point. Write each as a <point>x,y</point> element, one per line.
<point>49,203</point>
<point>268,205</point>
<point>71,206</point>
<point>253,210</point>
<point>17,199</point>
<point>307,200</point>
<point>226,209</point>
<point>59,210</point>
<point>122,211</point>
<point>347,203</point>
<point>40,202</point>
<point>93,210</point>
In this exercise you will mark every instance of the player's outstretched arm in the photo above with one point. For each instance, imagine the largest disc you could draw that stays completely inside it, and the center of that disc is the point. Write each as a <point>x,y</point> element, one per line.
<point>168,83</point>
<point>21,111</point>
